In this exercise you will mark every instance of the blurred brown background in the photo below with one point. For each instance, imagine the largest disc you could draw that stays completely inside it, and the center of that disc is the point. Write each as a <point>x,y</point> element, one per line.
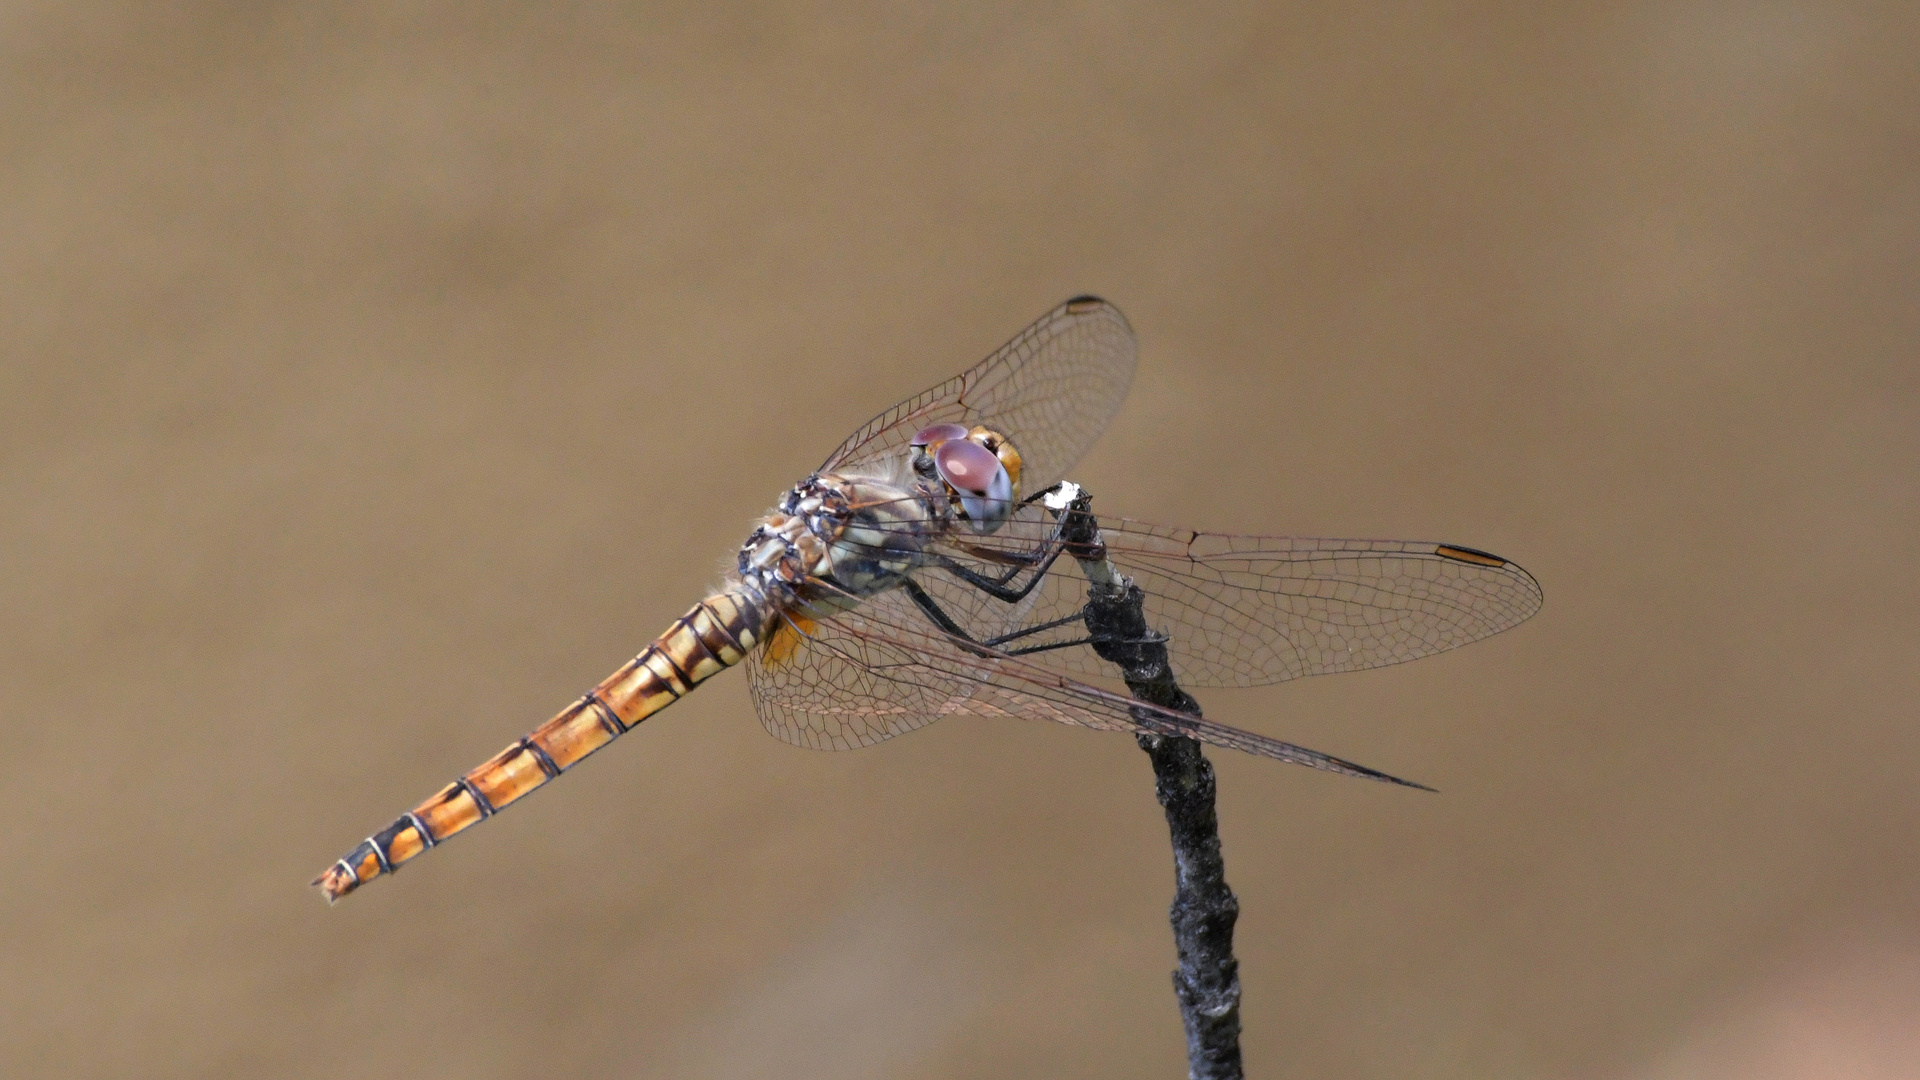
<point>376,377</point>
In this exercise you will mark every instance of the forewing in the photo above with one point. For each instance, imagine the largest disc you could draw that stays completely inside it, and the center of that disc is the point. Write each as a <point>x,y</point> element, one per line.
<point>1252,610</point>
<point>889,670</point>
<point>1255,610</point>
<point>1051,390</point>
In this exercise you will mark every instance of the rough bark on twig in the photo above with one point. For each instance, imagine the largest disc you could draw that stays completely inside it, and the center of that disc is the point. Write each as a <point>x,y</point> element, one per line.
<point>1207,981</point>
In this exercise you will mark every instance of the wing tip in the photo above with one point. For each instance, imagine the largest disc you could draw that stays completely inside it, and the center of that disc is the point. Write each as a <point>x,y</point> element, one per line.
<point>1353,769</point>
<point>1465,554</point>
<point>1475,557</point>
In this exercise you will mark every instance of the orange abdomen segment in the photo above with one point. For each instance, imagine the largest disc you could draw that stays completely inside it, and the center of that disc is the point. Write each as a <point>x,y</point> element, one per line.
<point>715,635</point>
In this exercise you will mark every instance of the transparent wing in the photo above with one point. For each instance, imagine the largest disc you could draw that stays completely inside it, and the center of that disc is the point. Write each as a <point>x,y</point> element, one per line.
<point>883,669</point>
<point>1051,390</point>
<point>1244,610</point>
<point>826,685</point>
<point>1252,610</point>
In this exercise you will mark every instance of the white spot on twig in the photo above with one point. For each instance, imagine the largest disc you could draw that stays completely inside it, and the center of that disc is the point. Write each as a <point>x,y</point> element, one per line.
<point>1061,496</point>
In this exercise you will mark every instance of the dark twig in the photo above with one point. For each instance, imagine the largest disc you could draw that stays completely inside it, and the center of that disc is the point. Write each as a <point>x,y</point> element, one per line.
<point>1207,982</point>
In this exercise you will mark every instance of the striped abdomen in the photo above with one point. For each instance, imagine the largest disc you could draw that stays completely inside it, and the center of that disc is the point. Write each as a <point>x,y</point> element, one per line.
<point>715,635</point>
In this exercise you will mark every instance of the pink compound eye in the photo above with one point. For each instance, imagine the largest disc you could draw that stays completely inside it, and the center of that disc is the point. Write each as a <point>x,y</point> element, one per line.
<point>968,466</point>
<point>939,433</point>
<point>978,478</point>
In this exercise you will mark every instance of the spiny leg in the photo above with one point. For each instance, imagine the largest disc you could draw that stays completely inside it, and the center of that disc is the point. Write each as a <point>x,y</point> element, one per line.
<point>932,609</point>
<point>1078,616</point>
<point>1040,562</point>
<point>1042,558</point>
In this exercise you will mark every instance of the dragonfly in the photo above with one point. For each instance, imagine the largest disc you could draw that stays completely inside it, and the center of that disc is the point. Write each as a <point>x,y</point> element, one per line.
<point>918,573</point>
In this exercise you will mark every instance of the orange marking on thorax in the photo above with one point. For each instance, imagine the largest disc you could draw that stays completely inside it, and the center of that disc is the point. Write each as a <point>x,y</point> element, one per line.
<point>785,640</point>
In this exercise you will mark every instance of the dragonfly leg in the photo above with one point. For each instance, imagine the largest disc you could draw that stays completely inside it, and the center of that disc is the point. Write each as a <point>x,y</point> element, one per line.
<point>998,588</point>
<point>1077,617</point>
<point>1040,561</point>
<point>1148,637</point>
<point>932,609</point>
<point>1048,647</point>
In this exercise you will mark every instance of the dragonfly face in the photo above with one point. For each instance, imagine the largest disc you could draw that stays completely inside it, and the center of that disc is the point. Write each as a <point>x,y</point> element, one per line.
<point>907,580</point>
<point>979,467</point>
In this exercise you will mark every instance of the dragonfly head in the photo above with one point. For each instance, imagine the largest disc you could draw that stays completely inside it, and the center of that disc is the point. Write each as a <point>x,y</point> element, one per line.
<point>979,467</point>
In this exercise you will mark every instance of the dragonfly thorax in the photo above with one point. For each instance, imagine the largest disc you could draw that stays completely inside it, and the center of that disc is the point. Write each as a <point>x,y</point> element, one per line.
<point>834,539</point>
<point>791,544</point>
